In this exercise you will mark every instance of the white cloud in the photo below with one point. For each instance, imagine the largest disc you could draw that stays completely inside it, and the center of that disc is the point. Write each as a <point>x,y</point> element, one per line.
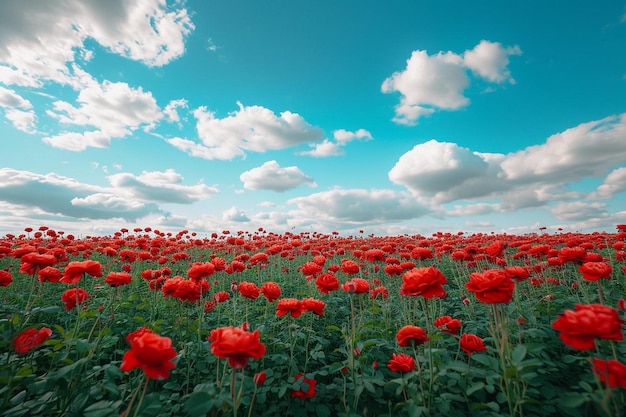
<point>114,109</point>
<point>10,99</point>
<point>579,211</point>
<point>270,176</point>
<point>22,120</point>
<point>490,60</point>
<point>589,149</point>
<point>428,83</point>
<point>532,177</point>
<point>60,195</point>
<point>161,186</point>
<point>434,82</point>
<point>148,31</point>
<point>614,183</point>
<point>343,136</point>
<point>444,171</point>
<point>251,128</point>
<point>323,149</point>
<point>235,215</point>
<point>171,109</point>
<point>358,206</point>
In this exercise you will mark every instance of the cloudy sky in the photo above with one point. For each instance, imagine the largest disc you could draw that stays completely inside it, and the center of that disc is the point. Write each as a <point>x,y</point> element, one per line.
<point>415,117</point>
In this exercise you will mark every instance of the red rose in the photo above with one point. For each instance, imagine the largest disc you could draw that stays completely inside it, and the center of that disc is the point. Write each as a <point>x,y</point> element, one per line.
<point>74,297</point>
<point>357,286</point>
<point>150,352</point>
<point>31,262</point>
<point>49,274</point>
<point>401,362</point>
<point>201,270</point>
<point>327,282</point>
<point>289,306</point>
<point>349,267</point>
<point>115,279</point>
<point>492,286</point>
<point>5,278</point>
<point>448,325</point>
<point>611,372</point>
<point>427,282</point>
<point>579,328</point>
<point>470,343</point>
<point>593,271</point>
<point>29,339</point>
<point>74,271</point>
<point>411,334</point>
<point>313,305</point>
<point>260,378</point>
<point>271,291</point>
<point>249,290</point>
<point>236,345</point>
<point>307,387</point>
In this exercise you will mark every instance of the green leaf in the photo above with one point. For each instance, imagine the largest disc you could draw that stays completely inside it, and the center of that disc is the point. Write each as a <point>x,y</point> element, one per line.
<point>518,355</point>
<point>474,387</point>
<point>103,409</point>
<point>198,404</point>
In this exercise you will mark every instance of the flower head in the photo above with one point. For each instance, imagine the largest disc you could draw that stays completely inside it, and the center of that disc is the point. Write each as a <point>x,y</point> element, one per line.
<point>236,345</point>
<point>150,352</point>
<point>29,339</point>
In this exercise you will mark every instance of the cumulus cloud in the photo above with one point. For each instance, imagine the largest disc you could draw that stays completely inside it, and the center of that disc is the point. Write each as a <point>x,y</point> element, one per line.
<point>490,61</point>
<point>359,206</point>
<point>323,149</point>
<point>114,109</point>
<point>161,186</point>
<point>18,110</point>
<point>171,111</point>
<point>148,31</point>
<point>438,82</point>
<point>251,128</point>
<point>60,195</point>
<point>589,149</point>
<point>445,172</point>
<point>235,215</point>
<point>579,211</point>
<point>329,148</point>
<point>614,183</point>
<point>271,176</point>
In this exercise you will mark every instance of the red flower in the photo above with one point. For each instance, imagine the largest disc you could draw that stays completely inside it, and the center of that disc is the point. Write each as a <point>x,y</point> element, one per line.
<point>492,286</point>
<point>29,339</point>
<point>313,305</point>
<point>349,267</point>
<point>150,352</point>
<point>74,271</point>
<point>307,387</point>
<point>221,296</point>
<point>408,335</point>
<point>5,278</point>
<point>427,282</point>
<point>593,271</point>
<point>289,306</point>
<point>49,274</point>
<point>357,286</point>
<point>271,291</point>
<point>236,345</point>
<point>31,262</point>
<point>611,372</point>
<point>379,293</point>
<point>401,362</point>
<point>448,325</point>
<point>115,279</point>
<point>326,283</point>
<point>579,328</point>
<point>259,378</point>
<point>470,343</point>
<point>517,273</point>
<point>311,268</point>
<point>249,290</point>
<point>200,270</point>
<point>74,297</point>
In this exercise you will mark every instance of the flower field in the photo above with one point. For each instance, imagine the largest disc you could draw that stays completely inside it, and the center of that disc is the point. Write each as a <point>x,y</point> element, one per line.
<point>145,323</point>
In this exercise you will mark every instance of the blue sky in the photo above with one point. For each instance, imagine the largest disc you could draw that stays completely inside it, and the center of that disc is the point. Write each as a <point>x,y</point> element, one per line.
<point>413,117</point>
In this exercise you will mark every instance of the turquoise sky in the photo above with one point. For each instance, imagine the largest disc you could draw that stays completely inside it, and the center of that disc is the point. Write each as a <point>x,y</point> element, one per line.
<point>413,117</point>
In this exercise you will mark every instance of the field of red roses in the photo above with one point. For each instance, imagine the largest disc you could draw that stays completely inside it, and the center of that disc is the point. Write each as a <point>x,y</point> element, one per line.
<point>145,323</point>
